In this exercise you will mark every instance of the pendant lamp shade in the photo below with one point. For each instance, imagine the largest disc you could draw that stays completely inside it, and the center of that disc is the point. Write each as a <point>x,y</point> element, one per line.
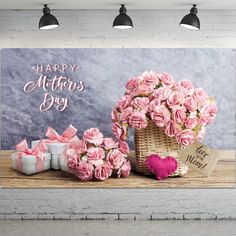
<point>122,21</point>
<point>48,21</point>
<point>191,20</point>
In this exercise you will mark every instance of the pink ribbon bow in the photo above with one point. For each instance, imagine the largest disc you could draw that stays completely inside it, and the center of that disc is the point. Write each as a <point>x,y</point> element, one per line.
<point>72,150</point>
<point>38,151</point>
<point>67,135</point>
<point>74,142</point>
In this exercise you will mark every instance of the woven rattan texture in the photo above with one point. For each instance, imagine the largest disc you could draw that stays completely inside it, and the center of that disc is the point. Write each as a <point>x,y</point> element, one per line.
<point>151,140</point>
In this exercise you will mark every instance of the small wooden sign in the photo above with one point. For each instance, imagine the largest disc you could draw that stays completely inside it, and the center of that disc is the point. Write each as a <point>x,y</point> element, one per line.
<point>200,157</point>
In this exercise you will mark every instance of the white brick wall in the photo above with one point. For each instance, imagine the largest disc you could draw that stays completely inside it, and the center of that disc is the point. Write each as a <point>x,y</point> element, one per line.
<point>92,28</point>
<point>118,204</point>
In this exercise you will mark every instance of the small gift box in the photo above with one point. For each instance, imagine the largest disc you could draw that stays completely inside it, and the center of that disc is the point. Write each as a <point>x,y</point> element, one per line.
<point>57,144</point>
<point>30,161</point>
<point>55,161</point>
<point>64,163</point>
<point>56,150</point>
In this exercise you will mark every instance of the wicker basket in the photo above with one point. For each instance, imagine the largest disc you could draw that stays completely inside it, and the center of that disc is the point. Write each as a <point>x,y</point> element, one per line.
<point>152,139</point>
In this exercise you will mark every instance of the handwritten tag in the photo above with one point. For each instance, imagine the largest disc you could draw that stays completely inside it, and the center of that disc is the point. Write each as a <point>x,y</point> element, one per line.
<point>200,157</point>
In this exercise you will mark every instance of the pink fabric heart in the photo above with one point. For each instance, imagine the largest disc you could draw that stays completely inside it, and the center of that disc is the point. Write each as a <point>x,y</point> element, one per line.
<point>162,168</point>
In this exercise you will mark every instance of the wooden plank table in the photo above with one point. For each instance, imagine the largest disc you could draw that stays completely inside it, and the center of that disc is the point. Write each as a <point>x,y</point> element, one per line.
<point>222,177</point>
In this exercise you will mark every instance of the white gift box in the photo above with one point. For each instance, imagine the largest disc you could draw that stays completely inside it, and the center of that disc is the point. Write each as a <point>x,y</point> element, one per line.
<point>63,163</point>
<point>57,148</point>
<point>55,161</point>
<point>29,162</point>
<point>54,148</point>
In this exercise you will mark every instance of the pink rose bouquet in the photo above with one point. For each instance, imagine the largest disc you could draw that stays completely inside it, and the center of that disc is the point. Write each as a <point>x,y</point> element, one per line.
<point>181,110</point>
<point>97,157</point>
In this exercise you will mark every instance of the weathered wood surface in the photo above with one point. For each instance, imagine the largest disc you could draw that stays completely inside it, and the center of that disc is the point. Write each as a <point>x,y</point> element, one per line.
<point>222,177</point>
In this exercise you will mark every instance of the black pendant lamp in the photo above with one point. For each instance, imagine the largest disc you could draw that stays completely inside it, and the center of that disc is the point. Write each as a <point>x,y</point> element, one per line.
<point>122,21</point>
<point>48,21</point>
<point>191,20</point>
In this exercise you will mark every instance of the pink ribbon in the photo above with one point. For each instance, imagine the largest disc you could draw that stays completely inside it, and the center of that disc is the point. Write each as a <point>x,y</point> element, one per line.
<point>74,142</point>
<point>66,137</point>
<point>38,151</point>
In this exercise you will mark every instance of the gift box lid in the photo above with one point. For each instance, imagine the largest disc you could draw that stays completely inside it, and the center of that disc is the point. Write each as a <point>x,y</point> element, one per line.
<point>57,148</point>
<point>53,147</point>
<point>29,159</point>
<point>58,145</point>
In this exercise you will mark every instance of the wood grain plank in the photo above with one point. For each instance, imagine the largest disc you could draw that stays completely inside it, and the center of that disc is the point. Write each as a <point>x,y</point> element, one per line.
<point>222,177</point>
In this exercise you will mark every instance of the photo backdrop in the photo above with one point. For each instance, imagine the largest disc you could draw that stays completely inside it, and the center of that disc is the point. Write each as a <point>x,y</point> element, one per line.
<point>92,82</point>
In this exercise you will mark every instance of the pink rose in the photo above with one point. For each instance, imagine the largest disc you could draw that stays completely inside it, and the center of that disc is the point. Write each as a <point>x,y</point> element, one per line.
<point>138,120</point>
<point>204,120</point>
<point>132,84</point>
<point>124,102</point>
<point>140,103</point>
<point>201,97</point>
<point>171,128</point>
<point>208,113</point>
<point>167,79</point>
<point>143,89</point>
<point>160,116</point>
<point>201,134</point>
<point>153,104</point>
<point>124,115</point>
<point>185,137</point>
<point>125,169</point>
<point>109,143</point>
<point>70,152</point>
<point>95,153</point>
<point>123,147</point>
<point>191,123</point>
<point>150,78</point>
<point>176,98</point>
<point>114,115</point>
<point>161,93</point>
<point>93,135</point>
<point>200,92</point>
<point>72,163</point>
<point>186,88</point>
<point>84,171</point>
<point>81,147</point>
<point>211,110</point>
<point>115,159</point>
<point>190,104</point>
<point>102,172</point>
<point>119,131</point>
<point>179,114</point>
<point>186,84</point>
<point>174,86</point>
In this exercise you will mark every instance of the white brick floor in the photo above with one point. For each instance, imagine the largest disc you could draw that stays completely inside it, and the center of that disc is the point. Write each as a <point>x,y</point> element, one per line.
<point>111,204</point>
<point>118,228</point>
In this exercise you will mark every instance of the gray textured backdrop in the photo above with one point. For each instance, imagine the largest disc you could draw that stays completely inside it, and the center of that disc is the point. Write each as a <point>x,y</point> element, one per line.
<point>105,72</point>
